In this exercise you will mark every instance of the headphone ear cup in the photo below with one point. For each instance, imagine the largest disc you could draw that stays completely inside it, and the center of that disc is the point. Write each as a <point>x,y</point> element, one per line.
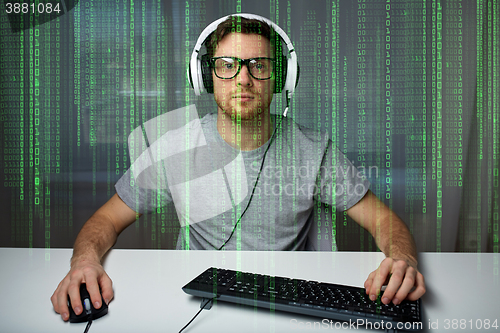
<point>190,76</point>
<point>206,73</point>
<point>281,73</point>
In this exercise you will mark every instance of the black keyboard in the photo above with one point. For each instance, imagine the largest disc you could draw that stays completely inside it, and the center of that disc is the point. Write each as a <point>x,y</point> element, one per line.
<point>325,300</point>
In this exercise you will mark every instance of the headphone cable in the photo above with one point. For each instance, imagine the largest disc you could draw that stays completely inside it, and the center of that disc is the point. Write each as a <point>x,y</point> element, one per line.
<point>256,181</point>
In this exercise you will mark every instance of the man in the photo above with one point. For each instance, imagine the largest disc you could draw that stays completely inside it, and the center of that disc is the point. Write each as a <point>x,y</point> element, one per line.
<point>244,73</point>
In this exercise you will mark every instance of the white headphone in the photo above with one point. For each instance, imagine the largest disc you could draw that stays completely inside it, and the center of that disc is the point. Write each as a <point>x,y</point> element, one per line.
<point>195,72</point>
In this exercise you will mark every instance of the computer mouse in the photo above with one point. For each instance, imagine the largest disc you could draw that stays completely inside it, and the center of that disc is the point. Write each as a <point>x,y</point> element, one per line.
<point>88,308</point>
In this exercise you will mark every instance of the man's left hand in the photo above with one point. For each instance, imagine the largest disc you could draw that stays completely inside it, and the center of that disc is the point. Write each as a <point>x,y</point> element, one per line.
<point>403,281</point>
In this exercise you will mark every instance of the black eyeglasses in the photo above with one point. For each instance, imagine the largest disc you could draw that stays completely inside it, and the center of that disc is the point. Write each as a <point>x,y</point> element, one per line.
<point>228,67</point>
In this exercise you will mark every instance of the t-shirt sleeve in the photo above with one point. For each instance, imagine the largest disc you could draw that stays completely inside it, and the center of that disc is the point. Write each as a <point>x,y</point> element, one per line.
<point>139,199</point>
<point>340,183</point>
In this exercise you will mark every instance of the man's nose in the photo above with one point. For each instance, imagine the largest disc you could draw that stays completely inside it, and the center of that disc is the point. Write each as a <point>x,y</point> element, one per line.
<point>244,78</point>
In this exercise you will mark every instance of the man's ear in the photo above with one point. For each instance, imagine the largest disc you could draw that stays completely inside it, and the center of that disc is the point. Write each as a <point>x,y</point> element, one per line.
<point>206,73</point>
<point>280,73</point>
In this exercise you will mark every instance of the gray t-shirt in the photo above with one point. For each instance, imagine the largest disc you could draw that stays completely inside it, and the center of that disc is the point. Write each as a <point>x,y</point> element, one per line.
<point>298,167</point>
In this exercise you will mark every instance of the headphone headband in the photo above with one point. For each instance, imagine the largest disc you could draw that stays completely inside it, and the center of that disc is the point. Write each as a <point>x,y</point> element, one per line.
<point>195,65</point>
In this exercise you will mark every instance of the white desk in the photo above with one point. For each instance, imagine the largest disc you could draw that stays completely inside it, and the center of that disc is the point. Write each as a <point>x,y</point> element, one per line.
<point>148,295</point>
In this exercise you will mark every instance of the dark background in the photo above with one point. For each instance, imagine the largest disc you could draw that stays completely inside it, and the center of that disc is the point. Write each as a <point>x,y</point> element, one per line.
<point>68,103</point>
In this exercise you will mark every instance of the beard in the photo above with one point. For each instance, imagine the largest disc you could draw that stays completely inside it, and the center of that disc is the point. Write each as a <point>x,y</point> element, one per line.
<point>235,109</point>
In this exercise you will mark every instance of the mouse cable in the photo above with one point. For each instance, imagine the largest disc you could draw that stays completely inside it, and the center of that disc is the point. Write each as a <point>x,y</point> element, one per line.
<point>88,325</point>
<point>208,301</point>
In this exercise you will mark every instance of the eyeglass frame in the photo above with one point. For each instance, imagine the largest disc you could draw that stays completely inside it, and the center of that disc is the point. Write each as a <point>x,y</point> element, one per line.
<point>241,62</point>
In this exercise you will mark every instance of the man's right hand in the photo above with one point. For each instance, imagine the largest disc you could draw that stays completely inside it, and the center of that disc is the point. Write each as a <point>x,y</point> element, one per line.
<point>84,271</point>
<point>97,236</point>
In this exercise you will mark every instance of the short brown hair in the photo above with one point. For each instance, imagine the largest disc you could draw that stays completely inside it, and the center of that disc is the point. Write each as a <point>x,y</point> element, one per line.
<point>246,26</point>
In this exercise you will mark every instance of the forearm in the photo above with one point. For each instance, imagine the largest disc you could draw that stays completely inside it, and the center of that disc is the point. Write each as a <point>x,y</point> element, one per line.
<point>389,231</point>
<point>394,239</point>
<point>96,237</point>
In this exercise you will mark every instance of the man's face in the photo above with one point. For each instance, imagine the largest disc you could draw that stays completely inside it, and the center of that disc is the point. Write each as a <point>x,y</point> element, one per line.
<point>243,95</point>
